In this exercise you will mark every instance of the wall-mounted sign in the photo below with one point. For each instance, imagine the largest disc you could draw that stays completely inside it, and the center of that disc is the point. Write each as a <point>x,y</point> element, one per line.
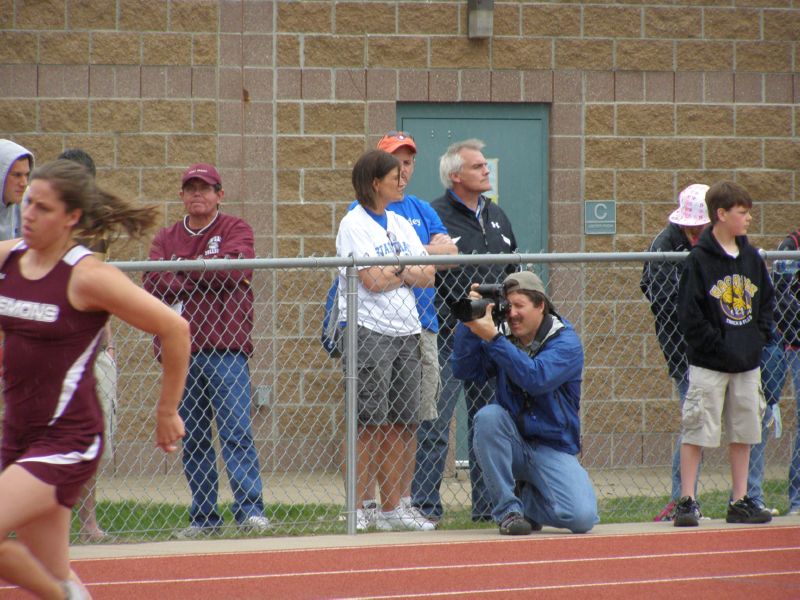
<point>600,218</point>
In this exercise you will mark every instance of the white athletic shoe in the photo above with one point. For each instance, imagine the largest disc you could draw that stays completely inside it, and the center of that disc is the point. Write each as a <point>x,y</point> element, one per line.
<point>75,591</point>
<point>365,517</point>
<point>403,519</point>
<point>255,524</point>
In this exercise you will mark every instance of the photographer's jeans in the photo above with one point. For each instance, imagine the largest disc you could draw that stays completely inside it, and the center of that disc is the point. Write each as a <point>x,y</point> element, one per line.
<point>433,440</point>
<point>218,385</point>
<point>557,490</point>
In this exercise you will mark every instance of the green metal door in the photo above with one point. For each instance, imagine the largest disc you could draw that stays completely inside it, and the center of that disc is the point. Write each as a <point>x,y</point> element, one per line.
<point>516,146</point>
<point>516,137</point>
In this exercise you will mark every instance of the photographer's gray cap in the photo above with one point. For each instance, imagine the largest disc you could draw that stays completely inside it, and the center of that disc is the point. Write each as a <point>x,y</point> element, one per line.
<point>524,281</point>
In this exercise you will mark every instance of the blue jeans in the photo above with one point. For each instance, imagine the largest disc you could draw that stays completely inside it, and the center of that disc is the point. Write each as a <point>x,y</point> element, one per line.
<point>793,358</point>
<point>433,440</point>
<point>755,469</point>
<point>773,376</point>
<point>218,386</point>
<point>556,489</point>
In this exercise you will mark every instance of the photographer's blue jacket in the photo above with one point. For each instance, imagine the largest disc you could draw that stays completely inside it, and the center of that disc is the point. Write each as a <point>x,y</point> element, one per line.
<point>542,392</point>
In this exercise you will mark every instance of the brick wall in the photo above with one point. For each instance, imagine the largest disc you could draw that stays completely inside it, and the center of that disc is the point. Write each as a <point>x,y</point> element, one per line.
<point>284,95</point>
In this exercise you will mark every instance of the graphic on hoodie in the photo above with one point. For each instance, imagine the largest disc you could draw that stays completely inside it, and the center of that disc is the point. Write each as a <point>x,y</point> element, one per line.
<point>735,294</point>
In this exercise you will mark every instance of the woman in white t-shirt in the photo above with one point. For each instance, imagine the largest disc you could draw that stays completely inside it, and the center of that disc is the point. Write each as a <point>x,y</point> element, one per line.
<point>388,336</point>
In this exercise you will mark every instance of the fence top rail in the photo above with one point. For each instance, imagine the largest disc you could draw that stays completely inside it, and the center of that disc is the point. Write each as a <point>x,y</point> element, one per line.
<point>219,264</point>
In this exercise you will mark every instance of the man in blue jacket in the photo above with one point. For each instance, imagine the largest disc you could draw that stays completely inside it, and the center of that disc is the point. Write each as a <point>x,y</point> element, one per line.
<point>527,440</point>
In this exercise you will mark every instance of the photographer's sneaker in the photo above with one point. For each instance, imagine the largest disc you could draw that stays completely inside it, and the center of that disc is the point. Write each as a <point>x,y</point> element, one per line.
<point>687,513</point>
<point>403,519</point>
<point>747,511</point>
<point>515,524</point>
<point>255,524</point>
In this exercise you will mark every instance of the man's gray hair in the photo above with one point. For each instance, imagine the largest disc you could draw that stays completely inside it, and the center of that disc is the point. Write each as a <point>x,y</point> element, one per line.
<point>452,161</point>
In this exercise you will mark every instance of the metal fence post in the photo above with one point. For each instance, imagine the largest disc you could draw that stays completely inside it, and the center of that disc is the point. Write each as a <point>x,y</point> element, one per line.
<point>351,390</point>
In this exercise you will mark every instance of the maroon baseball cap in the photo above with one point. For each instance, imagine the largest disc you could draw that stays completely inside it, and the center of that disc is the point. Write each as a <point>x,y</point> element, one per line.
<point>202,171</point>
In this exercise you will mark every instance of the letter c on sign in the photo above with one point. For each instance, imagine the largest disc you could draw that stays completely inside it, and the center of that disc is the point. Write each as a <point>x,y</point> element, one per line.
<point>600,211</point>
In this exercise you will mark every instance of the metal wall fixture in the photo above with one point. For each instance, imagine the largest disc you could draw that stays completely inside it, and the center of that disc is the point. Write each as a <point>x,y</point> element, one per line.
<point>481,18</point>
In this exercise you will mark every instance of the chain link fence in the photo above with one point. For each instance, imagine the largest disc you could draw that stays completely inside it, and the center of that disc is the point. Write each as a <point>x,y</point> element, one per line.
<point>630,410</point>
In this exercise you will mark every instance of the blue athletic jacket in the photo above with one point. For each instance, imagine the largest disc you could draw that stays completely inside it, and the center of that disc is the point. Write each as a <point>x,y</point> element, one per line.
<point>542,392</point>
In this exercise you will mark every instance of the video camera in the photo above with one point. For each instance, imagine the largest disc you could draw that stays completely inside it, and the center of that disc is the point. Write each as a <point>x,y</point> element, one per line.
<point>468,309</point>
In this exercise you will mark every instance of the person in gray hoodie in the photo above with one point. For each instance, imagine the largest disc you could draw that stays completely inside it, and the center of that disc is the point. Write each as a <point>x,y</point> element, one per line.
<point>16,163</point>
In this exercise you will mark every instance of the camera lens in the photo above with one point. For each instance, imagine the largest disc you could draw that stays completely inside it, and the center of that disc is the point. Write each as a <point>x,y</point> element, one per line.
<point>467,309</point>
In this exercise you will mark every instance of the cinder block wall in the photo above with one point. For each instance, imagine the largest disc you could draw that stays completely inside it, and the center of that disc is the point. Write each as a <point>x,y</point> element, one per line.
<point>284,95</point>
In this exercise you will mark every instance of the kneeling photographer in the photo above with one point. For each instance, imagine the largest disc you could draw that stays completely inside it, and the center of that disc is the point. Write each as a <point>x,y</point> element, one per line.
<point>527,439</point>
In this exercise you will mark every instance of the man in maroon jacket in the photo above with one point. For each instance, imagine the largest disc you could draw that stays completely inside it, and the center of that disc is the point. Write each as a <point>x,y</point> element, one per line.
<point>219,308</point>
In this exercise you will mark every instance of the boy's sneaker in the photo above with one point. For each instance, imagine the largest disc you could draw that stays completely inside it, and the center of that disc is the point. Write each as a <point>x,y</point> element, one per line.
<point>515,524</point>
<point>255,524</point>
<point>403,519</point>
<point>666,512</point>
<point>687,513</point>
<point>747,511</point>
<point>794,512</point>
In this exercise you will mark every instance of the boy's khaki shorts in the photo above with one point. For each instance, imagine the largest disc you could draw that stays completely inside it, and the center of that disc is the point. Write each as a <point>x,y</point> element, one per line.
<point>713,395</point>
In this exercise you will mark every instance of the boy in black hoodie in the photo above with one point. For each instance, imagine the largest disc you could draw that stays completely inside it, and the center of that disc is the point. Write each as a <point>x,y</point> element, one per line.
<point>725,304</point>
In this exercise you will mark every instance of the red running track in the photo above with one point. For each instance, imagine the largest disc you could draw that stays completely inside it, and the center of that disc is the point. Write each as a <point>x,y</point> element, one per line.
<point>741,562</point>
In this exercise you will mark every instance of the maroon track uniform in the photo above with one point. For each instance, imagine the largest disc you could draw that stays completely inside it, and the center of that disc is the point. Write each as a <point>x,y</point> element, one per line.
<point>53,424</point>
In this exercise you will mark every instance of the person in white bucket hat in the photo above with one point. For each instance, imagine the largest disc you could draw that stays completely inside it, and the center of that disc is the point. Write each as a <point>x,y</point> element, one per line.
<point>659,284</point>
<point>691,214</point>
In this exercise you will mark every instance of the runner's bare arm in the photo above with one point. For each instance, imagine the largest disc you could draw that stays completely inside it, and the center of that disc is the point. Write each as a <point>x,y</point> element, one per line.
<point>99,286</point>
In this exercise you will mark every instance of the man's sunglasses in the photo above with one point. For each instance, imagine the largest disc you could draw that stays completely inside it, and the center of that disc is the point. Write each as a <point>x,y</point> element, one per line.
<point>399,135</point>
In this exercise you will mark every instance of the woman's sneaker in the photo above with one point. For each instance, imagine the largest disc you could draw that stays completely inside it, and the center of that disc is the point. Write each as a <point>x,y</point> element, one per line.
<point>687,513</point>
<point>365,517</point>
<point>747,511</point>
<point>403,519</point>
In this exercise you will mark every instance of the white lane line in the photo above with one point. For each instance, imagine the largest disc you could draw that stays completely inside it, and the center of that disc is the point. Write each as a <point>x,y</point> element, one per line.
<point>424,568</point>
<point>576,586</point>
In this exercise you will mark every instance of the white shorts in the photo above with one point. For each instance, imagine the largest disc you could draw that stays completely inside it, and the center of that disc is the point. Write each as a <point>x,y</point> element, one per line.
<point>713,395</point>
